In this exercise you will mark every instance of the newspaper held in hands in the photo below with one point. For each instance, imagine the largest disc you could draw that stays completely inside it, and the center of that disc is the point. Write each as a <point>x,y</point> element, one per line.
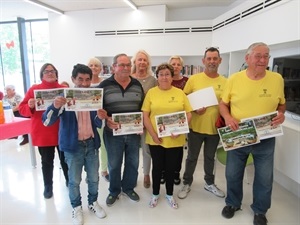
<point>78,99</point>
<point>129,123</point>
<point>45,97</point>
<point>83,99</point>
<point>172,123</point>
<point>244,136</point>
<point>263,125</point>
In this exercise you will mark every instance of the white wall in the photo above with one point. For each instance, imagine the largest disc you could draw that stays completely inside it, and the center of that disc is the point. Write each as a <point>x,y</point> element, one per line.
<point>278,24</point>
<point>73,40</point>
<point>287,155</point>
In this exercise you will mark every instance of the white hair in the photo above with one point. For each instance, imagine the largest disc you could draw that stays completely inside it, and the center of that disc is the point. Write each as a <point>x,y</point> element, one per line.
<point>10,86</point>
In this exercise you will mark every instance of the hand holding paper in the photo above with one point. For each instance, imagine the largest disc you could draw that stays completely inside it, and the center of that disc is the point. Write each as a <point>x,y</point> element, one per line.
<point>59,101</point>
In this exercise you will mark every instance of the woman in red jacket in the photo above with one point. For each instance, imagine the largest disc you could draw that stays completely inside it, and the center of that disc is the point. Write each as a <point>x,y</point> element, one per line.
<point>45,138</point>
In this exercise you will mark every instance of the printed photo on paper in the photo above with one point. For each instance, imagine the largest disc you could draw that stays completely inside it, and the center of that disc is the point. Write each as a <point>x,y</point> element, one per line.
<point>83,99</point>
<point>245,135</point>
<point>172,123</point>
<point>263,125</point>
<point>129,123</point>
<point>45,97</point>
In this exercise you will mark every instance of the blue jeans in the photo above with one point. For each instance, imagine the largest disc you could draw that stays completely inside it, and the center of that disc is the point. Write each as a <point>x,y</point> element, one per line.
<point>87,156</point>
<point>117,147</point>
<point>263,157</point>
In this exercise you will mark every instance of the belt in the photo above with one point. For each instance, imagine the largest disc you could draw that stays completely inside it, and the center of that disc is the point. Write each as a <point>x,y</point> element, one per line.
<point>88,139</point>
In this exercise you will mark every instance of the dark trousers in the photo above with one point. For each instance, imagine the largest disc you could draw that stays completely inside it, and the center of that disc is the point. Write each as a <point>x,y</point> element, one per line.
<point>178,164</point>
<point>163,159</point>
<point>195,141</point>
<point>47,157</point>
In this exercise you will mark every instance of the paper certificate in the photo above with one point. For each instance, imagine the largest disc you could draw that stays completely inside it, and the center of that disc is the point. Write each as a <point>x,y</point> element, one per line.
<point>45,97</point>
<point>245,135</point>
<point>83,99</point>
<point>129,123</point>
<point>173,123</point>
<point>203,98</point>
<point>263,125</point>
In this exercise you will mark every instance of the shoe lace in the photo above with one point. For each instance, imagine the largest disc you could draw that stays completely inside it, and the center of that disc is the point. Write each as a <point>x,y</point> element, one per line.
<point>213,187</point>
<point>185,187</point>
<point>76,212</point>
<point>93,207</point>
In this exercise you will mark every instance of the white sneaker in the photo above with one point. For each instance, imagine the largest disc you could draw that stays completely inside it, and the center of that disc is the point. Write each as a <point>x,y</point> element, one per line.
<point>172,202</point>
<point>183,192</point>
<point>215,190</point>
<point>77,216</point>
<point>97,210</point>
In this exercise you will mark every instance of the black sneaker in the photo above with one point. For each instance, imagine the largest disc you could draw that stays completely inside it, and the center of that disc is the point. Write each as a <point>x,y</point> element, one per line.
<point>110,200</point>
<point>260,219</point>
<point>132,195</point>
<point>228,211</point>
<point>48,191</point>
<point>25,140</point>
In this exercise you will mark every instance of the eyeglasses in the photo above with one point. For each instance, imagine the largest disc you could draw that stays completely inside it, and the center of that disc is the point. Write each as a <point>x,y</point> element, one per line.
<point>164,75</point>
<point>122,65</point>
<point>49,71</point>
<point>259,57</point>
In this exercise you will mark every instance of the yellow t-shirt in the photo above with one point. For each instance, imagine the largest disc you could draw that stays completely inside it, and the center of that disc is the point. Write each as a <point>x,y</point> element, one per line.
<point>159,102</point>
<point>205,123</point>
<point>250,98</point>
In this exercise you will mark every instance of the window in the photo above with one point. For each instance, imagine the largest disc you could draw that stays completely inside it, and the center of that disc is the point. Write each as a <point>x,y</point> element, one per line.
<point>37,40</point>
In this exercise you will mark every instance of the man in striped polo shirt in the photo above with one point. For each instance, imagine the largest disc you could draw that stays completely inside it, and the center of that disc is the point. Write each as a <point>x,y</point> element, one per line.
<point>122,94</point>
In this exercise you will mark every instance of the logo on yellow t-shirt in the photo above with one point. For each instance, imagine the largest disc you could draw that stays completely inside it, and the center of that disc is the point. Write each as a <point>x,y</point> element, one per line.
<point>265,93</point>
<point>172,100</point>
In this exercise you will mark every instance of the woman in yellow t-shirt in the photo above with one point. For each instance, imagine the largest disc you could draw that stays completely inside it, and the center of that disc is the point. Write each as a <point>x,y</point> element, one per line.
<point>164,99</point>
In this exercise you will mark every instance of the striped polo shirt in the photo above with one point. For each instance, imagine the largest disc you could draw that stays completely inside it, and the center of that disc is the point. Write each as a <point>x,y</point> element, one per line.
<point>119,100</point>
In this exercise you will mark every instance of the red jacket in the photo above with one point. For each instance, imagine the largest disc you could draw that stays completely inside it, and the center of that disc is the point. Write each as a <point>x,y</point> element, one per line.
<point>41,135</point>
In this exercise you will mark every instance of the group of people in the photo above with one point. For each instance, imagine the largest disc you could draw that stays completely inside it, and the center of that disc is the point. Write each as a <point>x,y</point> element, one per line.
<point>133,88</point>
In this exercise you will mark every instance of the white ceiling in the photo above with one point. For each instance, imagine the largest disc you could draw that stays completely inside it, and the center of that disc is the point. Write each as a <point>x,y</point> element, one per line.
<point>11,9</point>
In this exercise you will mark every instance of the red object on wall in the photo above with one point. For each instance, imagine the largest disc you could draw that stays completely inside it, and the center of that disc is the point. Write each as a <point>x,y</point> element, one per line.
<point>10,45</point>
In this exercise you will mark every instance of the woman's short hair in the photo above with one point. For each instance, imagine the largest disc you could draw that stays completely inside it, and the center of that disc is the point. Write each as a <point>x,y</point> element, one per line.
<point>176,57</point>
<point>95,61</point>
<point>10,86</point>
<point>44,67</point>
<point>164,66</point>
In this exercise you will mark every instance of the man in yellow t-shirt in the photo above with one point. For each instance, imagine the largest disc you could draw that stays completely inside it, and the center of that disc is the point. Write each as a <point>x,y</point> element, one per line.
<point>252,92</point>
<point>202,126</point>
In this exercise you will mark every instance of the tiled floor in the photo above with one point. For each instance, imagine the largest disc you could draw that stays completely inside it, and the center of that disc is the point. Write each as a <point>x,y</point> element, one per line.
<point>22,201</point>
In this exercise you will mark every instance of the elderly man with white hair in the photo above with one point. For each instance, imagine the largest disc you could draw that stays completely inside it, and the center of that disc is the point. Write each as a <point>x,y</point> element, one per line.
<point>14,100</point>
